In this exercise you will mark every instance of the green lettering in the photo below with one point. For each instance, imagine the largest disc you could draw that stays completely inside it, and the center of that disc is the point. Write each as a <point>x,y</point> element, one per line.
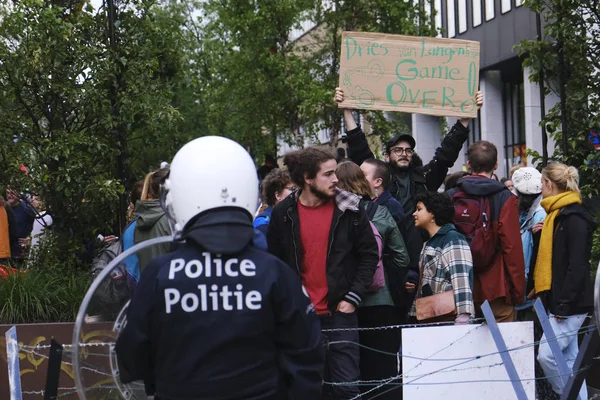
<point>413,70</point>
<point>413,99</point>
<point>424,73</point>
<point>354,47</point>
<point>433,71</point>
<point>425,99</point>
<point>454,71</point>
<point>390,95</point>
<point>467,105</point>
<point>446,97</point>
<point>472,77</point>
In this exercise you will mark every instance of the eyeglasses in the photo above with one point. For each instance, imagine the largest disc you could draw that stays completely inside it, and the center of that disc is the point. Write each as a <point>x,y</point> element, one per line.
<point>291,188</point>
<point>401,150</point>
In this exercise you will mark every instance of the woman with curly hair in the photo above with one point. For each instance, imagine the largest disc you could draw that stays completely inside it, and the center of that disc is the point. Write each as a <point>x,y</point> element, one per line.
<point>445,263</point>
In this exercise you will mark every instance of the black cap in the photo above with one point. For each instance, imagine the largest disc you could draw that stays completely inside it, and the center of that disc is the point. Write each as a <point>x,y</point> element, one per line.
<point>398,138</point>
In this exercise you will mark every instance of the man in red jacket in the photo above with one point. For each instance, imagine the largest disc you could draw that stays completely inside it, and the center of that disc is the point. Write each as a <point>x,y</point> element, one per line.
<point>501,280</point>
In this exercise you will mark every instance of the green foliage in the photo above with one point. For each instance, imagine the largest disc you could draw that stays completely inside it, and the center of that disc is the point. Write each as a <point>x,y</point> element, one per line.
<point>257,83</point>
<point>42,295</point>
<point>70,104</point>
<point>571,27</point>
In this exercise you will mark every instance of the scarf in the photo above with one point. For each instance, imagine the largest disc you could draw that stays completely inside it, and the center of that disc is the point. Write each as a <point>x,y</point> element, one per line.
<point>543,266</point>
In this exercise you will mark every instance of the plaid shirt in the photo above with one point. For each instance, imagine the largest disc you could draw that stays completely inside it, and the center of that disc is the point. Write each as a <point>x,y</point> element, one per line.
<point>446,264</point>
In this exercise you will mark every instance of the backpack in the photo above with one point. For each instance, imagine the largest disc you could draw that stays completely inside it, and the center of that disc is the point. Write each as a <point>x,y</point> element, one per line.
<point>472,218</point>
<point>379,277</point>
<point>114,291</point>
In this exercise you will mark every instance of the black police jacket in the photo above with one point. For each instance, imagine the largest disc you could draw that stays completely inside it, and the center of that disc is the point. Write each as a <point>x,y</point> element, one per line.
<point>203,325</point>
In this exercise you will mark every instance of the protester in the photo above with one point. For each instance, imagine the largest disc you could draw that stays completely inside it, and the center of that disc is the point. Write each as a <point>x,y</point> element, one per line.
<point>276,186</point>
<point>42,222</point>
<point>377,309</point>
<point>269,165</point>
<point>134,196</point>
<point>514,169</point>
<point>378,174</point>
<point>452,179</point>
<point>132,263</point>
<point>152,221</point>
<point>488,215</point>
<point>7,232</point>
<point>24,217</point>
<point>528,187</point>
<point>247,331</point>
<point>508,183</point>
<point>409,176</point>
<point>336,276</point>
<point>341,154</point>
<point>445,263</point>
<point>562,268</point>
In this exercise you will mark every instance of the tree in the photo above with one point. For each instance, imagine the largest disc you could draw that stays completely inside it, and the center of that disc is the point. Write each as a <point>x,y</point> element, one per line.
<point>259,84</point>
<point>58,73</point>
<point>565,61</point>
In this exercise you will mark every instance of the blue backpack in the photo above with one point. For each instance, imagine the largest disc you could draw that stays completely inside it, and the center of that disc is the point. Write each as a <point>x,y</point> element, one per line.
<point>132,263</point>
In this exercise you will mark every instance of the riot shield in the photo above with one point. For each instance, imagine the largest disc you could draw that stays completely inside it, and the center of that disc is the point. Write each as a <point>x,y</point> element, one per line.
<point>103,313</point>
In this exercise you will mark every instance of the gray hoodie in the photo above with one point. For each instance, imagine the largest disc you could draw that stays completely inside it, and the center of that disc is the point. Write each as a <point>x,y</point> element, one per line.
<point>152,222</point>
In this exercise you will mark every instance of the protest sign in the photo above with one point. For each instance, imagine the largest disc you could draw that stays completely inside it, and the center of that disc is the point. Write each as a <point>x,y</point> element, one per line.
<point>409,74</point>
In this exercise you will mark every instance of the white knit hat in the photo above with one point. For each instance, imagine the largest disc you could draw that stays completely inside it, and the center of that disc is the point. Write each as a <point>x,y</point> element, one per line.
<point>527,180</point>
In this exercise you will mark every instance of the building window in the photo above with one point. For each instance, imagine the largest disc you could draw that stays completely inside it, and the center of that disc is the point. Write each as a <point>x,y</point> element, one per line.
<point>438,15</point>
<point>514,118</point>
<point>451,19</point>
<point>477,15</point>
<point>518,3</point>
<point>489,10</point>
<point>462,16</point>
<point>506,6</point>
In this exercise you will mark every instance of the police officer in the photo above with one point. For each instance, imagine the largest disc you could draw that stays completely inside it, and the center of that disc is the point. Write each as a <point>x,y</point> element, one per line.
<point>219,318</point>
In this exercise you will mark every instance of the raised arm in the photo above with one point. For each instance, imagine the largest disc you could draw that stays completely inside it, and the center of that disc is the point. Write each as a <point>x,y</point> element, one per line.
<point>358,146</point>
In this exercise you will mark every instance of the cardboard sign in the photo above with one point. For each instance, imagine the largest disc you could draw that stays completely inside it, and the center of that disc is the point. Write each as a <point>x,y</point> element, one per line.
<point>409,74</point>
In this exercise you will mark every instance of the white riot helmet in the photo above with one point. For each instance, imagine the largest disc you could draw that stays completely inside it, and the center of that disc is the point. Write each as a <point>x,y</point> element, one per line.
<point>207,173</point>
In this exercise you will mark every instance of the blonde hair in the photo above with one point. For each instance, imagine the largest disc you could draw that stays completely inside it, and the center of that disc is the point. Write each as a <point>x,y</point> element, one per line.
<point>514,169</point>
<point>352,179</point>
<point>152,183</point>
<point>565,177</point>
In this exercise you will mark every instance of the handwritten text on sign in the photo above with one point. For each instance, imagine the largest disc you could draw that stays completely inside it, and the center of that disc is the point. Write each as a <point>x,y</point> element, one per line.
<point>409,74</point>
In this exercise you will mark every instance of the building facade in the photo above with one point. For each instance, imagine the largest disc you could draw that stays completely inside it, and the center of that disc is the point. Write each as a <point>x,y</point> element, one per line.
<point>512,107</point>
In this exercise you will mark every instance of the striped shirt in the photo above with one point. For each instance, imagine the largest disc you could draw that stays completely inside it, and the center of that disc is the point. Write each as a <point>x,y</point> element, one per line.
<point>446,264</point>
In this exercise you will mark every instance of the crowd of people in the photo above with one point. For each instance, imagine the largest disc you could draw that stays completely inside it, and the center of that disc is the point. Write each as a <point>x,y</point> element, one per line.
<point>23,222</point>
<point>337,245</point>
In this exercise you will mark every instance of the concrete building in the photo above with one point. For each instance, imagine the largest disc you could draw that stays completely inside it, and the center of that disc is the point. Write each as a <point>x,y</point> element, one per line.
<point>512,110</point>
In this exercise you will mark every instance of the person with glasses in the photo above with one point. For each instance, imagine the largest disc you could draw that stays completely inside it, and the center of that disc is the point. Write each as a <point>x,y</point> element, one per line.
<point>410,176</point>
<point>276,186</point>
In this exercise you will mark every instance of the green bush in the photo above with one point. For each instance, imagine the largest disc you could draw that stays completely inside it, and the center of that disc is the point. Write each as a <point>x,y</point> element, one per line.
<point>42,295</point>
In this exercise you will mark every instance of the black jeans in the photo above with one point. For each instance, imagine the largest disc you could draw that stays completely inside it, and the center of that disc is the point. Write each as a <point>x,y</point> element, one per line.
<point>375,365</point>
<point>342,360</point>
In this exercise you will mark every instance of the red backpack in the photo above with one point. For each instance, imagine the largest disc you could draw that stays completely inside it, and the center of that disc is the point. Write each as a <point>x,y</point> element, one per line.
<point>472,218</point>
